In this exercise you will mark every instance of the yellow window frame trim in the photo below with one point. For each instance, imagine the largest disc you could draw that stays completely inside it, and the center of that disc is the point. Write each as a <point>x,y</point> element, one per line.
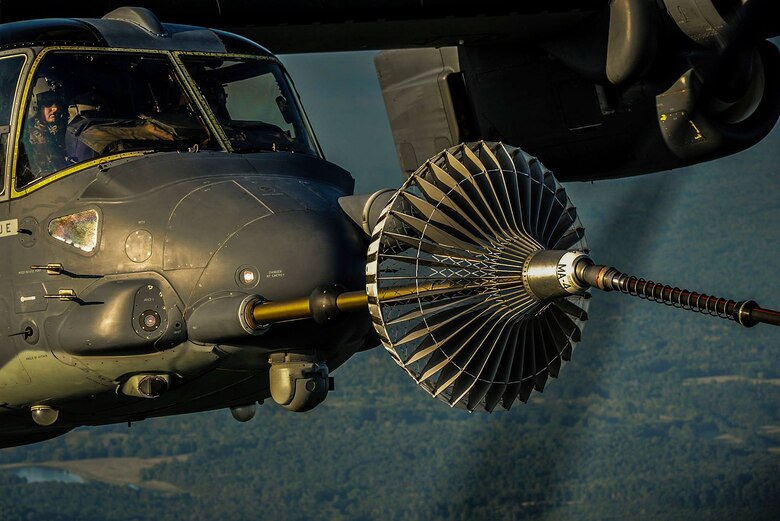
<point>67,171</point>
<point>12,163</point>
<point>177,55</point>
<point>188,85</point>
<point>194,91</point>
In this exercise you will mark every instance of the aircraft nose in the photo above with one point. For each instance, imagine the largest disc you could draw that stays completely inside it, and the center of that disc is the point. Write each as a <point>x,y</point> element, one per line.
<point>276,240</point>
<point>286,255</point>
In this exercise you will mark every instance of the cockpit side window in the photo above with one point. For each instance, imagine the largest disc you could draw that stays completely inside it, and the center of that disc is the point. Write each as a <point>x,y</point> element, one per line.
<point>10,68</point>
<point>87,105</point>
<point>253,103</point>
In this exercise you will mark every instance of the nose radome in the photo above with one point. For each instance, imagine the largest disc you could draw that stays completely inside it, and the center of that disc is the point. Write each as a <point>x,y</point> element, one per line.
<point>263,238</point>
<point>290,253</point>
<point>204,219</point>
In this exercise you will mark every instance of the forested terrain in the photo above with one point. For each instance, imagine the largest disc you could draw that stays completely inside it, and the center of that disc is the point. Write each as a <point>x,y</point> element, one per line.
<point>661,414</point>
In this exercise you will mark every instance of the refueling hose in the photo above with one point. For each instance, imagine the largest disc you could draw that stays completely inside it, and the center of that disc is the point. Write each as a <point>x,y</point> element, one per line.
<point>606,278</point>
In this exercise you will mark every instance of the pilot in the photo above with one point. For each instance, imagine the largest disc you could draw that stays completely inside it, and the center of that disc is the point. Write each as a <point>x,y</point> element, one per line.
<point>44,133</point>
<point>216,96</point>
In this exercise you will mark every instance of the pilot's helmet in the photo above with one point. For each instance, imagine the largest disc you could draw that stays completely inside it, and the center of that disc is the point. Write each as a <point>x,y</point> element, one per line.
<point>46,92</point>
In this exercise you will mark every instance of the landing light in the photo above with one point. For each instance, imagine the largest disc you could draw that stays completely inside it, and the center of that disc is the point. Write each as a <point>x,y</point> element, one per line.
<point>44,415</point>
<point>244,413</point>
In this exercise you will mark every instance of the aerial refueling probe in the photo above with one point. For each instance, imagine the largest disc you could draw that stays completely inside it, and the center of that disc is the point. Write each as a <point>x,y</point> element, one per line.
<point>544,278</point>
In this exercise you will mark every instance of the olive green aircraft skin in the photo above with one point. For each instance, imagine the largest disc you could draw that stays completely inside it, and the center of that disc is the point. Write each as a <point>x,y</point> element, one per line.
<point>175,230</point>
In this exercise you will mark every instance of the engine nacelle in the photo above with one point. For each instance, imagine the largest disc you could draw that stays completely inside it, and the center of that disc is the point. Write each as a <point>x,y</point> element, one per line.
<point>703,21</point>
<point>699,121</point>
<point>590,108</point>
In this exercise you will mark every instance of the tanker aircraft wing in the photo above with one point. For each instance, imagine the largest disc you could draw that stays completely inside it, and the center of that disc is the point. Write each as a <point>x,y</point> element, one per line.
<point>596,89</point>
<point>297,26</point>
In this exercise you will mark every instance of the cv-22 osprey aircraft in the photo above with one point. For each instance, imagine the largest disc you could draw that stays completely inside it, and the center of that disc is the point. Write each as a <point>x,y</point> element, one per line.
<point>174,241</point>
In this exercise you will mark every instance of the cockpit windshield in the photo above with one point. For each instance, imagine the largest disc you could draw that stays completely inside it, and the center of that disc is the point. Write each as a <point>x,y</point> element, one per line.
<point>86,105</point>
<point>253,102</point>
